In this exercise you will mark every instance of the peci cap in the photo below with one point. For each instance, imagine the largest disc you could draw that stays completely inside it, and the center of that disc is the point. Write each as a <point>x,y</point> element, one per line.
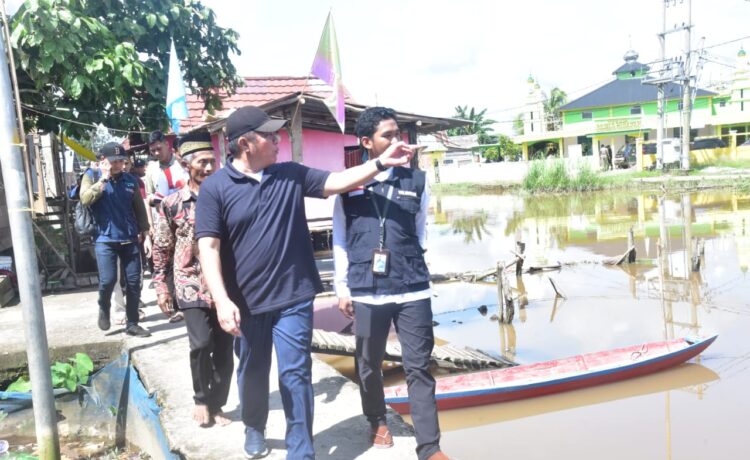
<point>194,142</point>
<point>113,151</point>
<point>250,118</point>
<point>156,136</point>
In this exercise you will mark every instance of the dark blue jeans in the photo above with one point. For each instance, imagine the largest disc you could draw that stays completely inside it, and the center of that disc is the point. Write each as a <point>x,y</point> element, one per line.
<point>289,330</point>
<point>108,255</point>
<point>413,323</point>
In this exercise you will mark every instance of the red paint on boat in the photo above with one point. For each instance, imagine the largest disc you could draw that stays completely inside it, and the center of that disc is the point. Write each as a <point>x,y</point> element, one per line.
<point>555,376</point>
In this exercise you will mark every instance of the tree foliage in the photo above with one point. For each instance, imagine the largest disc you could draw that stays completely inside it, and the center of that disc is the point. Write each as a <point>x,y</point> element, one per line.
<point>557,98</point>
<point>505,150</point>
<point>480,125</point>
<point>106,61</point>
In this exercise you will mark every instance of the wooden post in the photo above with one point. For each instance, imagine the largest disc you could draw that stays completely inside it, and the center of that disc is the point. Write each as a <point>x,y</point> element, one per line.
<point>500,294</point>
<point>520,248</point>
<point>631,246</point>
<point>295,134</point>
<point>698,250</point>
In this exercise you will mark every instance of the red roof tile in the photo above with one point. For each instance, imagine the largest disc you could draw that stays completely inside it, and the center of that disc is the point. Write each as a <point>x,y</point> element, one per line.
<point>256,91</point>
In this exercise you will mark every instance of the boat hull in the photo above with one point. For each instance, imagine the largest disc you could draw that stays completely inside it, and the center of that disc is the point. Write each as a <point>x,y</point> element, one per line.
<point>556,376</point>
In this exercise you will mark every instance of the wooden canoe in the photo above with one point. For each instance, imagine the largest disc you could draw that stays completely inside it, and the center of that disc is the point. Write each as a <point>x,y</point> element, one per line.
<point>555,376</point>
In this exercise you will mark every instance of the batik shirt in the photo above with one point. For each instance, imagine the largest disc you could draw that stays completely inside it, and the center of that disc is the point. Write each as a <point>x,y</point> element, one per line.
<point>175,246</point>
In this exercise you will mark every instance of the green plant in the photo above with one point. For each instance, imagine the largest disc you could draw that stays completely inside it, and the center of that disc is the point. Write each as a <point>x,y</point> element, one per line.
<point>64,375</point>
<point>553,176</point>
<point>107,61</point>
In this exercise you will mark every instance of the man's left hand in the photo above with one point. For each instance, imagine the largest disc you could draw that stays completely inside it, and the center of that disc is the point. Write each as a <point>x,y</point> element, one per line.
<point>398,154</point>
<point>147,245</point>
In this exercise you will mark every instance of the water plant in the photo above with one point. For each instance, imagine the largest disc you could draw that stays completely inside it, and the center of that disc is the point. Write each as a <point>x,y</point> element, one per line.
<point>64,375</point>
<point>553,176</point>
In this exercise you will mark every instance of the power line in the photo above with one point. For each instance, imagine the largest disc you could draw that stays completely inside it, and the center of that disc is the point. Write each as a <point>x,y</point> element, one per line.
<point>89,125</point>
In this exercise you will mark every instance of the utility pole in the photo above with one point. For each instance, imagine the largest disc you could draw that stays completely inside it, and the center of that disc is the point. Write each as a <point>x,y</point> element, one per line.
<point>660,89</point>
<point>686,94</point>
<point>24,249</point>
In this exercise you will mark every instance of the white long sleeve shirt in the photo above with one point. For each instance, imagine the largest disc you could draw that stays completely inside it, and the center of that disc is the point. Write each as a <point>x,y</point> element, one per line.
<point>341,259</point>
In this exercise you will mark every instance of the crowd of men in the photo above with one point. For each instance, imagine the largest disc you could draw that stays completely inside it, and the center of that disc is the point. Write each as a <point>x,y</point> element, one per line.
<point>231,255</point>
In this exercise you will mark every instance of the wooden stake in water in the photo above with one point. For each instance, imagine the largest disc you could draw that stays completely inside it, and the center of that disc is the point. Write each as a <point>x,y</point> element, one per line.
<point>631,246</point>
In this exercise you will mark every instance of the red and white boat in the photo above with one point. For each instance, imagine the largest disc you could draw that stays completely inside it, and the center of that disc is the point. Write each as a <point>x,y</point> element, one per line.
<point>555,376</point>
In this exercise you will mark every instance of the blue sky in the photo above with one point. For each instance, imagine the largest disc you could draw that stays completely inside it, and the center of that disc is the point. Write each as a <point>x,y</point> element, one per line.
<point>429,56</point>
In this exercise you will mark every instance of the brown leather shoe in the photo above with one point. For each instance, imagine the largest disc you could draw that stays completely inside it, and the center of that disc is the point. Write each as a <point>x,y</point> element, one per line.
<point>439,455</point>
<point>381,437</point>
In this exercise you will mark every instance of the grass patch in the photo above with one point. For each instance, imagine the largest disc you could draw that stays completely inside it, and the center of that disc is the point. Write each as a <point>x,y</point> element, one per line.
<point>468,188</point>
<point>553,176</point>
<point>724,163</point>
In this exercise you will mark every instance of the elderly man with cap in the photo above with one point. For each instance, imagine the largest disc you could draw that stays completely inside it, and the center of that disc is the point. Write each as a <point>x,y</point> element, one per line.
<point>121,221</point>
<point>257,259</point>
<point>211,361</point>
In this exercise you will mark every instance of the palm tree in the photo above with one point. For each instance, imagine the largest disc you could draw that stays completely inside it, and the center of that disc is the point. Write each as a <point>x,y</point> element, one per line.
<point>557,98</point>
<point>480,125</point>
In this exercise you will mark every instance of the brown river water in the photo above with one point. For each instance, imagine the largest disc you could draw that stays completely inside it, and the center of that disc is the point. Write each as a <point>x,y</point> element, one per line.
<point>699,410</point>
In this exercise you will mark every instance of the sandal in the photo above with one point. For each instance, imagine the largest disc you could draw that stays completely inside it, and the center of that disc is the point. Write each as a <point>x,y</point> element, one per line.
<point>176,317</point>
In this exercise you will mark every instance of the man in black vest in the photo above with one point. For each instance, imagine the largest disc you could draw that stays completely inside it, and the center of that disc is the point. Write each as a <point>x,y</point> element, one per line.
<point>381,277</point>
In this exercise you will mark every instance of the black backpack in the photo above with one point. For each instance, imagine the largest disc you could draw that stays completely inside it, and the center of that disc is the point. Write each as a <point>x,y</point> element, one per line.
<point>83,221</point>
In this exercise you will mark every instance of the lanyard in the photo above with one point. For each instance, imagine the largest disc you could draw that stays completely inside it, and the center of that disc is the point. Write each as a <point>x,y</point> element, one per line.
<point>384,214</point>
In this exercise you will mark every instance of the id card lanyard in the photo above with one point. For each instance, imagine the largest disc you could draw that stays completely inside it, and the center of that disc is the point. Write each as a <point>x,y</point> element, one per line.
<point>383,215</point>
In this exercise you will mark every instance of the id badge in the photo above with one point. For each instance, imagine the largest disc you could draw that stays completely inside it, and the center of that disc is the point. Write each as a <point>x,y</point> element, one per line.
<point>380,261</point>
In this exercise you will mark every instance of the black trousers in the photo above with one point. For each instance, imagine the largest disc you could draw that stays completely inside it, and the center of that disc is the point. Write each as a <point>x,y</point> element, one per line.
<point>413,323</point>
<point>211,360</point>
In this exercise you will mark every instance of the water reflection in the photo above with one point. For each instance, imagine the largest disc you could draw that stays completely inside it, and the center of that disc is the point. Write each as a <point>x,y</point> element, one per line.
<point>473,227</point>
<point>659,296</point>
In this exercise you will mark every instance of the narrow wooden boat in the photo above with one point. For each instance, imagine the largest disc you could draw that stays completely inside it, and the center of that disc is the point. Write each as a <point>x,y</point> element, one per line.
<point>555,376</point>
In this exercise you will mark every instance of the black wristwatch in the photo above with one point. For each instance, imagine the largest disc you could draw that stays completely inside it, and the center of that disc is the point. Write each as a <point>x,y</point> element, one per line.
<point>379,165</point>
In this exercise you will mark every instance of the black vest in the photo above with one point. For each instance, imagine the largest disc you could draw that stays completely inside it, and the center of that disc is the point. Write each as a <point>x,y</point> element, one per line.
<point>408,271</point>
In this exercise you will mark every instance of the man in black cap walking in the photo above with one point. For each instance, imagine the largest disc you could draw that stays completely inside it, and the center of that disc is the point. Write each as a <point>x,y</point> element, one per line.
<point>258,262</point>
<point>116,203</point>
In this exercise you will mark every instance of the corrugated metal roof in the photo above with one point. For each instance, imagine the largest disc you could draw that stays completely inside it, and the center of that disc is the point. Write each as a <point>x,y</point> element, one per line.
<point>624,92</point>
<point>256,91</point>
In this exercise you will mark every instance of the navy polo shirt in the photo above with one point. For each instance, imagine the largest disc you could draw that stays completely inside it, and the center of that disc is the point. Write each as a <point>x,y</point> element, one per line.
<point>266,253</point>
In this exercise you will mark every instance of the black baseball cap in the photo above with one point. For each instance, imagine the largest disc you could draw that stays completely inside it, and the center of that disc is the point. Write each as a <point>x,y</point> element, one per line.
<point>250,118</point>
<point>156,136</point>
<point>138,163</point>
<point>113,151</point>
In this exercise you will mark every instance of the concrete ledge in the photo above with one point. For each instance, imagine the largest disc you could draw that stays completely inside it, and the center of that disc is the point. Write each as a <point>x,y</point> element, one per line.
<point>162,361</point>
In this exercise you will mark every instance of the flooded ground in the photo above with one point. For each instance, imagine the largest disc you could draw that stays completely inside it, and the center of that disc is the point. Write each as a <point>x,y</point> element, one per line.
<point>696,411</point>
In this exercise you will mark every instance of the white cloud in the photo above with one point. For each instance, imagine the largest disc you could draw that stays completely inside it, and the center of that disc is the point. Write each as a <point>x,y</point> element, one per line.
<point>429,56</point>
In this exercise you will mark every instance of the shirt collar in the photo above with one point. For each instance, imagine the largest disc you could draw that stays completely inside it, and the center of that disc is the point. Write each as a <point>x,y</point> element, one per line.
<point>237,174</point>
<point>186,194</point>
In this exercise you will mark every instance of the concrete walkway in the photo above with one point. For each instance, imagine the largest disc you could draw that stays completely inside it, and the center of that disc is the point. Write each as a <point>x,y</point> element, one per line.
<point>340,430</point>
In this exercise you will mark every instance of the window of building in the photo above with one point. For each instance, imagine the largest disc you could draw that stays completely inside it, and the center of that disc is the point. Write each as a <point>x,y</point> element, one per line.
<point>635,110</point>
<point>531,115</point>
<point>679,105</point>
<point>587,115</point>
<point>675,132</point>
<point>723,103</point>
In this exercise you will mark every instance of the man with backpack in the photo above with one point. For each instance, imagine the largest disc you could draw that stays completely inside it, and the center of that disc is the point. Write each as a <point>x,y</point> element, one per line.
<point>117,207</point>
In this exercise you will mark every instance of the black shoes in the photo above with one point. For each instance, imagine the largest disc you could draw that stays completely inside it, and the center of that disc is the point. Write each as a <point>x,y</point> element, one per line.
<point>137,331</point>
<point>103,320</point>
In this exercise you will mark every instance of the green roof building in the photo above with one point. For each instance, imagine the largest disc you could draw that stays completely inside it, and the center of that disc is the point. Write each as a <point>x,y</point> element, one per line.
<point>625,110</point>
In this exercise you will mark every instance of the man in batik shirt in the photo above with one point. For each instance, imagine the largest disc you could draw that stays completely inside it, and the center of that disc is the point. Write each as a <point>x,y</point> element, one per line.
<point>211,361</point>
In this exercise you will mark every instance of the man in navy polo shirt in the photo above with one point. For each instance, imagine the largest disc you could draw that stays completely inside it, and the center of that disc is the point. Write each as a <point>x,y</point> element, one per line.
<point>257,259</point>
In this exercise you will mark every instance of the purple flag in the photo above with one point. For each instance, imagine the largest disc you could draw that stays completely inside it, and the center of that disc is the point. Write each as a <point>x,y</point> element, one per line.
<point>327,67</point>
